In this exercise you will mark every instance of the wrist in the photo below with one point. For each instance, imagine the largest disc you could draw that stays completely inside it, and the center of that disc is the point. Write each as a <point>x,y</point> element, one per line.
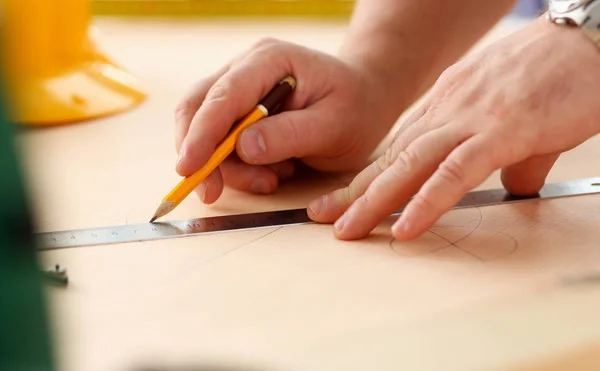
<point>385,60</point>
<point>572,41</point>
<point>584,14</point>
<point>578,34</point>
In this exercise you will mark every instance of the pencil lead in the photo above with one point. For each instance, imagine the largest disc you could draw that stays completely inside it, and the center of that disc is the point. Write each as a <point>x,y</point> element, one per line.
<point>164,208</point>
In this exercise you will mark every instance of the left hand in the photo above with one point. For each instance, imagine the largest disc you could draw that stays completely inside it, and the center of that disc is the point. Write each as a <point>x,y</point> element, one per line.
<point>515,106</point>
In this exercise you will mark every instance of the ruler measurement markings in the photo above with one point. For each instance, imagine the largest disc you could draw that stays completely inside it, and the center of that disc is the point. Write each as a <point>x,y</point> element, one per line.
<point>271,219</point>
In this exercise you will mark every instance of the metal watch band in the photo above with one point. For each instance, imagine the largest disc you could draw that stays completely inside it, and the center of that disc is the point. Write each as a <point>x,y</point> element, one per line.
<point>584,14</point>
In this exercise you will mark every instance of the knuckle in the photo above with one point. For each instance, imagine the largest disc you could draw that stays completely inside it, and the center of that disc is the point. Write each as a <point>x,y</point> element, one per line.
<point>218,92</point>
<point>364,201</point>
<point>182,108</point>
<point>446,76</point>
<point>387,159</point>
<point>451,171</point>
<point>447,84</point>
<point>193,98</point>
<point>381,164</point>
<point>345,195</point>
<point>265,42</point>
<point>405,162</point>
<point>423,202</point>
<point>352,192</point>
<point>402,132</point>
<point>391,154</point>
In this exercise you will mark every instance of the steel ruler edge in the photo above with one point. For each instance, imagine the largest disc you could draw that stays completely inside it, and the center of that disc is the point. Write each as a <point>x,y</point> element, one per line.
<point>269,219</point>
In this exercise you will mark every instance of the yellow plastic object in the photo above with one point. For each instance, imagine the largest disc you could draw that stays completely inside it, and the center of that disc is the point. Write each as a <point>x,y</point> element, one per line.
<point>218,8</point>
<point>56,71</point>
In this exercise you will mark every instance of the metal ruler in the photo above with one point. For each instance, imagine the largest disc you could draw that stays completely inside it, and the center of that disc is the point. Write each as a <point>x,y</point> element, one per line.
<point>200,226</point>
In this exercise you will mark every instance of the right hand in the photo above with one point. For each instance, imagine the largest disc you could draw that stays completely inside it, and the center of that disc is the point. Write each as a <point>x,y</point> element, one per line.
<point>334,119</point>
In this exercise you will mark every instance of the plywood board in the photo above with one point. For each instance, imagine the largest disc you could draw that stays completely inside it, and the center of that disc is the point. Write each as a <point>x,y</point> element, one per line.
<point>262,295</point>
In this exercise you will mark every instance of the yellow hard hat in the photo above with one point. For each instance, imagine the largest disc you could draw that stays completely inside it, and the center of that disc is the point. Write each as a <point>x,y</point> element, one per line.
<point>56,72</point>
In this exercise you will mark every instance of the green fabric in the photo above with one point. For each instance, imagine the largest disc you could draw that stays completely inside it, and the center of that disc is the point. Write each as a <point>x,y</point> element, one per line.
<point>24,337</point>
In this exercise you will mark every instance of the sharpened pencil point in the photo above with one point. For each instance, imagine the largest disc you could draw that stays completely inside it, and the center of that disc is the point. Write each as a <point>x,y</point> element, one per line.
<point>164,208</point>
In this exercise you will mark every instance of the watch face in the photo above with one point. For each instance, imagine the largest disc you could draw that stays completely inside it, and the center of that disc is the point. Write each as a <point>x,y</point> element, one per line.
<point>565,6</point>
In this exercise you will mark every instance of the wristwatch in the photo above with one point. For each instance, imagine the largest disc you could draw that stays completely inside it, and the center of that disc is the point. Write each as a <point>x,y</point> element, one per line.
<point>584,14</point>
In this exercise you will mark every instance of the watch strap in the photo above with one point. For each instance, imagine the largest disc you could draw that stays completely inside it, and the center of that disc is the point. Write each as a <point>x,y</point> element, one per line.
<point>584,14</point>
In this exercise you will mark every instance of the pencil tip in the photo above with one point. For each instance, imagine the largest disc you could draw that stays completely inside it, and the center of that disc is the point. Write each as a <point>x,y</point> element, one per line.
<point>164,208</point>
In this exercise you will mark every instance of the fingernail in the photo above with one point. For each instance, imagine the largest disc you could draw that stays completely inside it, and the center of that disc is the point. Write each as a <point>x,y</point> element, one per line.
<point>180,157</point>
<point>253,144</point>
<point>402,226</point>
<point>260,185</point>
<point>316,206</point>
<point>201,191</point>
<point>339,224</point>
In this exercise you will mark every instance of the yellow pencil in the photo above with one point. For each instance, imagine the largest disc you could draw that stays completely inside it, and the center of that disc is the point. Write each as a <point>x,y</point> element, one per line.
<point>266,106</point>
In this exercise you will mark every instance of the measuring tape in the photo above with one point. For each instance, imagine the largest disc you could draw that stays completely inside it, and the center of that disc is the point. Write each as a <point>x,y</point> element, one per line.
<point>212,8</point>
<point>201,226</point>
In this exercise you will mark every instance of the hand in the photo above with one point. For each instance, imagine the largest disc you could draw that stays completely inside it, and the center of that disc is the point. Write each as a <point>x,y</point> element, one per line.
<point>514,106</point>
<point>336,117</point>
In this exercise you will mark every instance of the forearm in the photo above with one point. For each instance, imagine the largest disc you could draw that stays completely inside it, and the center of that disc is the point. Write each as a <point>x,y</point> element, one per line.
<point>410,43</point>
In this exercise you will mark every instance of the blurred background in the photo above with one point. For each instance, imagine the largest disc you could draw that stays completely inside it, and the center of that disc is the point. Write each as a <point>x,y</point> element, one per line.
<point>42,45</point>
<point>526,8</point>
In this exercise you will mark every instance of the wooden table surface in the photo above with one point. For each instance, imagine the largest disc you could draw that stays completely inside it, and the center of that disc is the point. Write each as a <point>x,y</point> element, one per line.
<point>285,296</point>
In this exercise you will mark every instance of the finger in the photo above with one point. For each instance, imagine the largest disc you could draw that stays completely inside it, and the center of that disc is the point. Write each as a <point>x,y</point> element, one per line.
<point>292,134</point>
<point>249,178</point>
<point>527,177</point>
<point>212,187</point>
<point>187,108</point>
<point>328,208</point>
<point>285,170</point>
<point>411,119</point>
<point>231,97</point>
<point>190,103</point>
<point>465,168</point>
<point>402,179</point>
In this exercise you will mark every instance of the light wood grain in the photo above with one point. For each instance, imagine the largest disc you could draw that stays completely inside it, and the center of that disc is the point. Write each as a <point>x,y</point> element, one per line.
<point>274,296</point>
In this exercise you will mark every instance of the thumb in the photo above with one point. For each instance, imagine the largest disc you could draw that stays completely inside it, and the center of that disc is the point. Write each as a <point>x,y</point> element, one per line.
<point>527,177</point>
<point>283,136</point>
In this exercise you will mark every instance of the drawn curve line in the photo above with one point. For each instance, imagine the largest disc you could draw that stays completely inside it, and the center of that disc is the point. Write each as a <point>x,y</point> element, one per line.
<point>474,230</point>
<point>527,215</point>
<point>514,240</point>
<point>455,243</point>
<point>392,240</point>
<point>451,243</point>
